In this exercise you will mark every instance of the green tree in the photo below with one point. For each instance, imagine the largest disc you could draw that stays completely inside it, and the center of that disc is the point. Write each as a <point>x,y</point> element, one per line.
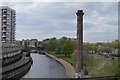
<point>94,48</point>
<point>26,48</point>
<point>68,48</point>
<point>51,45</point>
<point>115,44</point>
<point>87,47</point>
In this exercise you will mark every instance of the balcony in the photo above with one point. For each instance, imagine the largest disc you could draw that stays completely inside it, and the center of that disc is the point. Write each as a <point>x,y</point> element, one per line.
<point>4,35</point>
<point>4,30</point>
<point>4,10</point>
<point>3,41</point>
<point>8,18</point>
<point>4,15</point>
<point>8,13</point>
<point>8,23</point>
<point>4,26</point>
<point>4,20</point>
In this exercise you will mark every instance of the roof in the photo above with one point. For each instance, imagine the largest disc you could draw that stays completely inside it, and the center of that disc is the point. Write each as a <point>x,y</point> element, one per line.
<point>6,7</point>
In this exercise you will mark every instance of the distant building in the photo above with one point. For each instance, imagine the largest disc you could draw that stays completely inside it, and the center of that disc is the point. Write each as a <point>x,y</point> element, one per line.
<point>23,42</point>
<point>18,42</point>
<point>31,43</point>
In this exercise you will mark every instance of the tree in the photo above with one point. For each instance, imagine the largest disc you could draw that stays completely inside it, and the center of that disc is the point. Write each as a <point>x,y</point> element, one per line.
<point>115,44</point>
<point>68,48</point>
<point>58,47</point>
<point>52,44</point>
<point>63,46</point>
<point>87,47</point>
<point>26,48</point>
<point>94,48</point>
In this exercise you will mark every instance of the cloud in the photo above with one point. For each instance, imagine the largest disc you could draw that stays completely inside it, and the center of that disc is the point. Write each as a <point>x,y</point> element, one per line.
<point>60,1</point>
<point>41,20</point>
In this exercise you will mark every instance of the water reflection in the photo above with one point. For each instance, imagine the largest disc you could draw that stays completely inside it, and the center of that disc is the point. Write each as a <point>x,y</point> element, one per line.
<point>45,67</point>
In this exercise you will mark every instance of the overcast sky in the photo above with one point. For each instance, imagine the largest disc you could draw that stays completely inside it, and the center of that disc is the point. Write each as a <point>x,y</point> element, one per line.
<point>41,20</point>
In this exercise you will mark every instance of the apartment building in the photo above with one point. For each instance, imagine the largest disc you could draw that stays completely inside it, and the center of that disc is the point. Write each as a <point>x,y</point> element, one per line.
<point>7,29</point>
<point>8,25</point>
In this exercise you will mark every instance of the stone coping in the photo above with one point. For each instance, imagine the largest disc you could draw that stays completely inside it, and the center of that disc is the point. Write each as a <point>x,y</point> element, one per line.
<point>70,70</point>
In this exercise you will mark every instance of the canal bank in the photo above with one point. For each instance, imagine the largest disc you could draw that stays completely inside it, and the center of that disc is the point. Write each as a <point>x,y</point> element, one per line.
<point>70,70</point>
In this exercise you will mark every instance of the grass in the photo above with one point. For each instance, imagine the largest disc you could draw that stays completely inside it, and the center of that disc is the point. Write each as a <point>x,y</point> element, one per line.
<point>69,59</point>
<point>108,69</point>
<point>91,62</point>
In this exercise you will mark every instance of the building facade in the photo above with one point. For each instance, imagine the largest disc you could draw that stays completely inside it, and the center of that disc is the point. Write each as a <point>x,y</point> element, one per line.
<point>7,25</point>
<point>31,43</point>
<point>7,29</point>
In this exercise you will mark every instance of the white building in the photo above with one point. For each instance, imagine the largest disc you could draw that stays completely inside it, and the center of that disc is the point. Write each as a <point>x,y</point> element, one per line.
<point>7,25</point>
<point>7,28</point>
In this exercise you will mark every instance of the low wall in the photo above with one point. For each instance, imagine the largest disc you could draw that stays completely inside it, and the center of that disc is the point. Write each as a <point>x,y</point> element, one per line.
<point>22,71</point>
<point>70,71</point>
<point>18,72</point>
<point>9,60</point>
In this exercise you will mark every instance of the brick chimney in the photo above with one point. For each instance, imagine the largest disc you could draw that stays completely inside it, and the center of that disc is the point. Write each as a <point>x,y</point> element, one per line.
<point>79,54</point>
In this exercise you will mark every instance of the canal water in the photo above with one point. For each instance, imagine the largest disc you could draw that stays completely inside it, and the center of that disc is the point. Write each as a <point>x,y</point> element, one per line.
<point>45,67</point>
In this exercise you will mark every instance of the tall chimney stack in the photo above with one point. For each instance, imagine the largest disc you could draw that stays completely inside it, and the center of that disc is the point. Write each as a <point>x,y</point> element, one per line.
<point>79,54</point>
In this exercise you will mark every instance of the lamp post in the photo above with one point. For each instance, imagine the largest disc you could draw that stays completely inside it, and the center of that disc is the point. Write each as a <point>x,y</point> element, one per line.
<point>79,54</point>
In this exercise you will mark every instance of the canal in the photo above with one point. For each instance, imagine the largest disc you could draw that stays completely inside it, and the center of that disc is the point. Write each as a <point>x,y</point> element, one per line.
<point>45,67</point>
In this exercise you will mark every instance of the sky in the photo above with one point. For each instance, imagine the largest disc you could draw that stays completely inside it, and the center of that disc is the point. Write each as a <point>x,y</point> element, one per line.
<point>41,20</point>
